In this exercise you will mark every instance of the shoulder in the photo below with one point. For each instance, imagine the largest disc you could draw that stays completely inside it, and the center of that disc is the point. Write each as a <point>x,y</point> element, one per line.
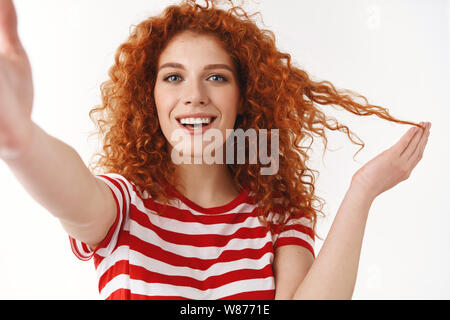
<point>125,187</point>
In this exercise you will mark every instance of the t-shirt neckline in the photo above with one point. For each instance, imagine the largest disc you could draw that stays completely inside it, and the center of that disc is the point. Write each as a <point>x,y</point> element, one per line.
<point>240,198</point>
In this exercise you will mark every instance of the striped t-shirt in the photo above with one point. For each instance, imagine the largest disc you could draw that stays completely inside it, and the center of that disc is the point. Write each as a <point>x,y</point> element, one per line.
<point>188,252</point>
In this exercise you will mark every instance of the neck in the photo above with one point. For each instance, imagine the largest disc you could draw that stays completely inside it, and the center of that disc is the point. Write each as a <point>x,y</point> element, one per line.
<point>207,185</point>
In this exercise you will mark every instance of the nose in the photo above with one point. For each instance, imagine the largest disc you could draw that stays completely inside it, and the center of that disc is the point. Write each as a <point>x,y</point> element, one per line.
<point>195,94</point>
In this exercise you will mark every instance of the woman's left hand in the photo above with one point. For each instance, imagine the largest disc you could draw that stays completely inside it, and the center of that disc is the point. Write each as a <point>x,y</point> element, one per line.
<point>393,165</point>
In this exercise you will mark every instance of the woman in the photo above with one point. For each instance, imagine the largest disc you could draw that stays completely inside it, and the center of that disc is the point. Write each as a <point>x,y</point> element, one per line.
<point>161,229</point>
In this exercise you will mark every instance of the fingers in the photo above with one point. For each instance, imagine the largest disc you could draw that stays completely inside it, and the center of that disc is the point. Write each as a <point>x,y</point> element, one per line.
<point>9,39</point>
<point>418,153</point>
<point>414,143</point>
<point>403,143</point>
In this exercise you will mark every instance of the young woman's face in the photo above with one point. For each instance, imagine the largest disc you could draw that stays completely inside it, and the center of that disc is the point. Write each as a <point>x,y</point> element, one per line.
<point>196,80</point>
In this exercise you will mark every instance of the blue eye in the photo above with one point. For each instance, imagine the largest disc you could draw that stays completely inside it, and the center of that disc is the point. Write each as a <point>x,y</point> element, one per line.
<point>172,75</point>
<point>222,77</point>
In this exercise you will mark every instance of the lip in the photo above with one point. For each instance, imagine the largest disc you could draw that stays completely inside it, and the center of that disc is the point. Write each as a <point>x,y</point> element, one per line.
<point>197,130</point>
<point>196,115</point>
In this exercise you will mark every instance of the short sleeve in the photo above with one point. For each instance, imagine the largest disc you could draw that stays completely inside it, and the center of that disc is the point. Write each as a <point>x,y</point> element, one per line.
<point>297,231</point>
<point>121,190</point>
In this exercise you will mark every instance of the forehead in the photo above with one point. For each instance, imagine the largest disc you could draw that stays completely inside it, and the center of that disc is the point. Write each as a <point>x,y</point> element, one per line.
<point>189,46</point>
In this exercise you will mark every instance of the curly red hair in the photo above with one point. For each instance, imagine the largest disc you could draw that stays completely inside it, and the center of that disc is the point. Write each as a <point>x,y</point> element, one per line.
<point>275,95</point>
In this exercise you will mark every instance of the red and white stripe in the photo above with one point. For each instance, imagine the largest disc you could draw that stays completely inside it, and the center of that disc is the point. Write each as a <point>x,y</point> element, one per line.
<point>188,252</point>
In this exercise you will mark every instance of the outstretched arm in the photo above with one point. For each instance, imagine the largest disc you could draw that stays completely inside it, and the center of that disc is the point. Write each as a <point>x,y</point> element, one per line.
<point>333,273</point>
<point>51,171</point>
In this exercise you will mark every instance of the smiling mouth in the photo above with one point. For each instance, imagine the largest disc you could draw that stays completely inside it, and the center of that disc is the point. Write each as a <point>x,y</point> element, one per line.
<point>196,124</point>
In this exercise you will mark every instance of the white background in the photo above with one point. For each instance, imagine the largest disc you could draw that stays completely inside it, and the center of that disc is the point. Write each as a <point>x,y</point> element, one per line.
<point>395,53</point>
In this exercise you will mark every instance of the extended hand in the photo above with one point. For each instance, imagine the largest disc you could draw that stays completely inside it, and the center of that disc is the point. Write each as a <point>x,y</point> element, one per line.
<point>395,164</point>
<point>16,86</point>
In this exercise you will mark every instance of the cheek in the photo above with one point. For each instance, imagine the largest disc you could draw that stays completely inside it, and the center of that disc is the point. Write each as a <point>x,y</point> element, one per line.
<point>231,114</point>
<point>228,102</point>
<point>159,99</point>
<point>163,111</point>
<point>163,102</point>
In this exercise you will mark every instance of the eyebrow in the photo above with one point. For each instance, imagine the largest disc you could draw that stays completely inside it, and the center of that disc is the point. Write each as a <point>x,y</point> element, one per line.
<point>207,67</point>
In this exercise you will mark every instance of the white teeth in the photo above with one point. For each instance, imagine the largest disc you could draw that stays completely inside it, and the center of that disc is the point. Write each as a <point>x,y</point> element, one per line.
<point>195,120</point>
